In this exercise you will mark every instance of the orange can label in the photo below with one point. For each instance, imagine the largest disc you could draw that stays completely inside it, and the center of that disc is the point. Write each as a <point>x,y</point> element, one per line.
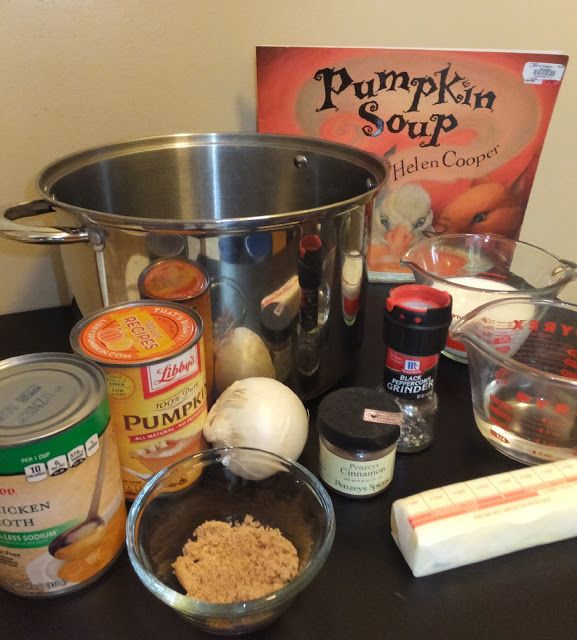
<point>185,282</point>
<point>174,279</point>
<point>154,362</point>
<point>137,334</point>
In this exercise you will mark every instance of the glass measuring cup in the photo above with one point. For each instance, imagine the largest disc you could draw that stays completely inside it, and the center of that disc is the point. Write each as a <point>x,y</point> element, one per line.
<point>476,269</point>
<point>523,371</point>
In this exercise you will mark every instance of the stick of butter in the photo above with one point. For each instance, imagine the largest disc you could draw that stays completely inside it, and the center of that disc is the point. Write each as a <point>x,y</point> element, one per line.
<point>487,517</point>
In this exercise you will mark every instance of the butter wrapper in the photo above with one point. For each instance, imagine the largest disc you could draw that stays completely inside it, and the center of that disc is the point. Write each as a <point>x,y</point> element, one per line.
<point>470,521</point>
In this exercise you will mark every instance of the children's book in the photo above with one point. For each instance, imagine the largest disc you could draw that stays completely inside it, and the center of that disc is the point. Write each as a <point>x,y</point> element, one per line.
<point>462,131</point>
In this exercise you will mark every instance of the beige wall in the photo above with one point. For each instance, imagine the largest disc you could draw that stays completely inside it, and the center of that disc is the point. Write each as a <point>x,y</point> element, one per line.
<point>75,73</point>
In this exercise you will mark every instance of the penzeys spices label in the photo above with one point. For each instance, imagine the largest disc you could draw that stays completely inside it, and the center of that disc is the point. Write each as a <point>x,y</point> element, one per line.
<point>62,511</point>
<point>154,361</point>
<point>358,433</point>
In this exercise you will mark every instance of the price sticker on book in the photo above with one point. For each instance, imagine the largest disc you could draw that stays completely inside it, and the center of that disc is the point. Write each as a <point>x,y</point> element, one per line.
<point>539,72</point>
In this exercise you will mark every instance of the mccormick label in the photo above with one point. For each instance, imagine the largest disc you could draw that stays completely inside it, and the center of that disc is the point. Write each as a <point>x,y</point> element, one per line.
<point>153,357</point>
<point>409,376</point>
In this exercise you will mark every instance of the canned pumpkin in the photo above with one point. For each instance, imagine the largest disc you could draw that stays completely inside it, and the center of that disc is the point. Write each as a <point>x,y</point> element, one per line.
<point>187,283</point>
<point>153,357</point>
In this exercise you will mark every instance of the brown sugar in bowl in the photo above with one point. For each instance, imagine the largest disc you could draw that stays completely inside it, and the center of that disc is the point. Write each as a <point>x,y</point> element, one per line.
<point>162,520</point>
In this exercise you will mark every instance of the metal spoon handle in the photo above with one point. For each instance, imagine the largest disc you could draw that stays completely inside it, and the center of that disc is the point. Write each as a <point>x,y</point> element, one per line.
<point>95,501</point>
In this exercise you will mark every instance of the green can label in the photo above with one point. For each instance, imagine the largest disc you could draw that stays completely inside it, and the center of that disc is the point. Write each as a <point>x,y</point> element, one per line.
<point>50,499</point>
<point>62,511</point>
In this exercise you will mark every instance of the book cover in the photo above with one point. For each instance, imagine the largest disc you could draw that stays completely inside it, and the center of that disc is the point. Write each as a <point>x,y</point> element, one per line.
<point>462,131</point>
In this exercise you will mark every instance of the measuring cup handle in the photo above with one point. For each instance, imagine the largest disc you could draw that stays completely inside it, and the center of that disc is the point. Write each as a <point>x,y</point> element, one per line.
<point>571,266</point>
<point>565,271</point>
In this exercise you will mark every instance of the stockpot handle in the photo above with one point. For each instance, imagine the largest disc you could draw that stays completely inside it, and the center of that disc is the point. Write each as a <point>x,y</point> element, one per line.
<point>37,235</point>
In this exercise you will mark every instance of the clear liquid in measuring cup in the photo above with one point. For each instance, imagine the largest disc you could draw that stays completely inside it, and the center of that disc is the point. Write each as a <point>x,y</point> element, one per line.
<point>522,424</point>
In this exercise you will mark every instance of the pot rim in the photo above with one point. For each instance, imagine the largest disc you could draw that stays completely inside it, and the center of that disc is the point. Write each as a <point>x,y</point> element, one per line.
<point>378,167</point>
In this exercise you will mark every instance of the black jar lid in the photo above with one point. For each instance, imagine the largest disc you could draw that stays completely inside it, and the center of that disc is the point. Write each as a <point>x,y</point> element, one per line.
<point>360,419</point>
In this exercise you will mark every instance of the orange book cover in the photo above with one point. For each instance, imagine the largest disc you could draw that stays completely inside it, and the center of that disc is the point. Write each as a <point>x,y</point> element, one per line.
<point>462,131</point>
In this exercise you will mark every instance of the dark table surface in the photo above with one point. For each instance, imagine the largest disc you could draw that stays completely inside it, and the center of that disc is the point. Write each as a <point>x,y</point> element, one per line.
<point>365,589</point>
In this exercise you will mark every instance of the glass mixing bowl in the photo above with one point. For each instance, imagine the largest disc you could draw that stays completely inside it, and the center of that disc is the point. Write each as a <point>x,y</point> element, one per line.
<point>211,485</point>
<point>479,268</point>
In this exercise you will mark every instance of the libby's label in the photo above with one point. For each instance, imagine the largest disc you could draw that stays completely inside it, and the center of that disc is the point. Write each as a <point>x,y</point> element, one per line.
<point>46,544</point>
<point>409,376</point>
<point>168,374</point>
<point>158,412</point>
<point>185,282</point>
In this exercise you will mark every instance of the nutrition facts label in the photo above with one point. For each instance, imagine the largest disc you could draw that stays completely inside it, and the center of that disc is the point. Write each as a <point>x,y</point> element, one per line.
<point>57,465</point>
<point>501,490</point>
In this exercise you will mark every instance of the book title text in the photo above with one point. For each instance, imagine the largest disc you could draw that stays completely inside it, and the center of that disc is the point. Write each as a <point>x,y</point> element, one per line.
<point>444,87</point>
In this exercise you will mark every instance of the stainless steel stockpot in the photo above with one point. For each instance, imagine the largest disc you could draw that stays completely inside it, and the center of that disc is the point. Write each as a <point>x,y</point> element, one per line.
<point>238,204</point>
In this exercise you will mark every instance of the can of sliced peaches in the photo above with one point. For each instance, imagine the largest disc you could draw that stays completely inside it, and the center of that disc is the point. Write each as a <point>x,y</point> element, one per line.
<point>62,510</point>
<point>153,357</point>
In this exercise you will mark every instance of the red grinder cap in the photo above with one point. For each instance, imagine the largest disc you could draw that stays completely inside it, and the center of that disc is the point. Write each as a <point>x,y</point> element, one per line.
<point>417,319</point>
<point>417,297</point>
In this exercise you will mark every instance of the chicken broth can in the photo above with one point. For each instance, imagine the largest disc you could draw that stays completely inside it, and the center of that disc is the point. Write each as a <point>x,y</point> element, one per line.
<point>62,510</point>
<point>153,357</point>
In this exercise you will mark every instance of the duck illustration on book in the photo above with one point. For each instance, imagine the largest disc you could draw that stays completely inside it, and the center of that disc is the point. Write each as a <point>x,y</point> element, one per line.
<point>401,218</point>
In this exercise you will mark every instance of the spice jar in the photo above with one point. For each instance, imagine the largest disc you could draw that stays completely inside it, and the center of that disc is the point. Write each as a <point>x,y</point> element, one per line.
<point>416,322</point>
<point>277,324</point>
<point>358,433</point>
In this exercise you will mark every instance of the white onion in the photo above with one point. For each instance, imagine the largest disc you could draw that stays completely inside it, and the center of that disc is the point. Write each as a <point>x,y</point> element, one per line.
<point>261,413</point>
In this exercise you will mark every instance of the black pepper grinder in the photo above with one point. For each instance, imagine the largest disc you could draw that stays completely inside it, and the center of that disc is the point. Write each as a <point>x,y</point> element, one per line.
<point>416,323</point>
